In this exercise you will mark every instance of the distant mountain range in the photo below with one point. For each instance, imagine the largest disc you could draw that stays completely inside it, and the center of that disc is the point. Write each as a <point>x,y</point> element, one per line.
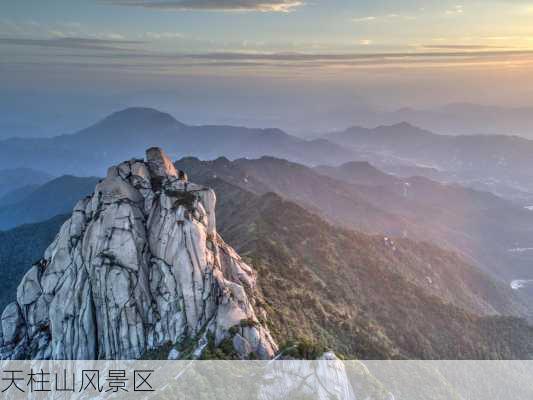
<point>129,132</point>
<point>501,164</point>
<point>495,163</point>
<point>452,119</point>
<point>301,118</point>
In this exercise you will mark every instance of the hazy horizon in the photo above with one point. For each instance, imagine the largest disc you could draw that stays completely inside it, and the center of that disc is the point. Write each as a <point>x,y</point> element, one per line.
<point>301,66</point>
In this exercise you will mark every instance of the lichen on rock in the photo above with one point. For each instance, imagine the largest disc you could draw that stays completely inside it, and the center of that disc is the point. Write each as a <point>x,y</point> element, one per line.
<point>138,265</point>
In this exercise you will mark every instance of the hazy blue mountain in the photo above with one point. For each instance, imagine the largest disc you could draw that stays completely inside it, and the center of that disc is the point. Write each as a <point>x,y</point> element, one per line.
<point>131,131</point>
<point>55,197</point>
<point>451,119</point>
<point>14,178</point>
<point>17,195</point>
<point>468,119</point>
<point>496,162</point>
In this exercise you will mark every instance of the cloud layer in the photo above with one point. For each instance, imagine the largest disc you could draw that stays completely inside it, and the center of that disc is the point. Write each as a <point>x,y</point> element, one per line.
<point>212,5</point>
<point>70,43</point>
<point>96,54</point>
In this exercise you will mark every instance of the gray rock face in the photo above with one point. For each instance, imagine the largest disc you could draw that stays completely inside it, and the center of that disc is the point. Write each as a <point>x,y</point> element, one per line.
<point>139,264</point>
<point>323,379</point>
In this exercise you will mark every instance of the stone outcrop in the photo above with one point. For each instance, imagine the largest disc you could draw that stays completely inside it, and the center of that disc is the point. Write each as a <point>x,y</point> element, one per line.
<point>322,379</point>
<point>138,265</point>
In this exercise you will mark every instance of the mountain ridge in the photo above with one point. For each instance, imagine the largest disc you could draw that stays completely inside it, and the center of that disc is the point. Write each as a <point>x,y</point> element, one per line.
<point>56,196</point>
<point>403,128</point>
<point>355,302</point>
<point>470,222</point>
<point>91,150</point>
<point>15,178</point>
<point>501,163</point>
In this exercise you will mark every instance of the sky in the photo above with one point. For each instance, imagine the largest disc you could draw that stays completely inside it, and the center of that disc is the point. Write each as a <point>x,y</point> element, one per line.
<point>295,64</point>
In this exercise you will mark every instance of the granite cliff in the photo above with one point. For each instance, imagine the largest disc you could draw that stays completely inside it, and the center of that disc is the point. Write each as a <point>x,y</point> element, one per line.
<point>138,265</point>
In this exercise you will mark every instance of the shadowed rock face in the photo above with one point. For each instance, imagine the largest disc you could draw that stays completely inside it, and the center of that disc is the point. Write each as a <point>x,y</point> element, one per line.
<point>139,264</point>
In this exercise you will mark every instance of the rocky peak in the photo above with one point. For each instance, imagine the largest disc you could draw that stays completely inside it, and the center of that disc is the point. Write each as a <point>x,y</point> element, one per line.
<point>137,266</point>
<point>159,164</point>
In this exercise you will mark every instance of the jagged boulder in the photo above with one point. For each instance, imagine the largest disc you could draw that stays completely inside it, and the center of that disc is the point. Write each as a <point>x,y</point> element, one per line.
<point>139,264</point>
